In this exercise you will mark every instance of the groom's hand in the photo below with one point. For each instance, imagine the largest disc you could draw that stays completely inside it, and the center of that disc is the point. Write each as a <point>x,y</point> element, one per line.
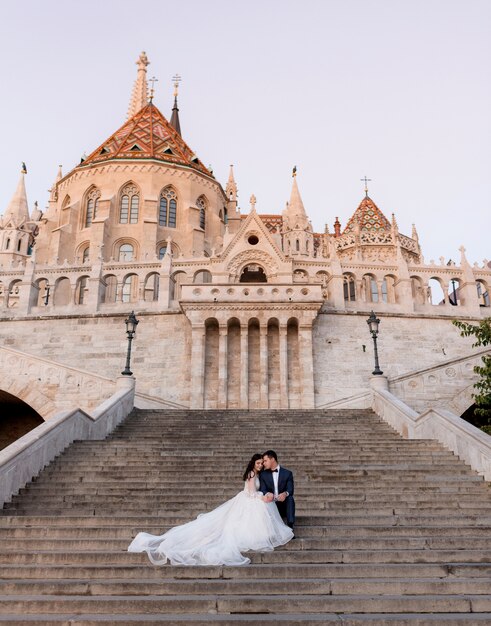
<point>282,497</point>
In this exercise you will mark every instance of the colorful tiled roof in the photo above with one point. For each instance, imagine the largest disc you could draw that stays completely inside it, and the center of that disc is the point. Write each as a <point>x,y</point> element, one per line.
<point>147,135</point>
<point>369,217</point>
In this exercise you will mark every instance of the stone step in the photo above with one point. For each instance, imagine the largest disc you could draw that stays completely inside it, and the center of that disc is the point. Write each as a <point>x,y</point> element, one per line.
<point>345,570</point>
<point>295,619</point>
<point>258,587</point>
<point>379,554</point>
<point>226,604</point>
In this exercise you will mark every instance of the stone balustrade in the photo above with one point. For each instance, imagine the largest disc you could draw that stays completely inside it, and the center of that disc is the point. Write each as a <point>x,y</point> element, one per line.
<point>466,441</point>
<point>27,456</point>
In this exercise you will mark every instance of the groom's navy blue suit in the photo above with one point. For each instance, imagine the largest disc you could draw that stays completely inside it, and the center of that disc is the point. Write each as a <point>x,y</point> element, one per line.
<point>285,483</point>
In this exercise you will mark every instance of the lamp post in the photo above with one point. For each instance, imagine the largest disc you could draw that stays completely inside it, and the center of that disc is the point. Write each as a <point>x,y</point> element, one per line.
<point>46,294</point>
<point>373,323</point>
<point>131,324</point>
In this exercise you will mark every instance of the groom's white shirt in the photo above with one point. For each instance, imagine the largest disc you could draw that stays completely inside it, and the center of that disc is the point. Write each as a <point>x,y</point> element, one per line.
<point>276,476</point>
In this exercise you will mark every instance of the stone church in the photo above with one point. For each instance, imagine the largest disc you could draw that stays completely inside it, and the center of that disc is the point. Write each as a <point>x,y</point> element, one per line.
<point>237,309</point>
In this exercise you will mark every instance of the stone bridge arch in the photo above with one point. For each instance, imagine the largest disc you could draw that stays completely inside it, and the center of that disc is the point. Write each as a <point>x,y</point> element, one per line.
<point>18,418</point>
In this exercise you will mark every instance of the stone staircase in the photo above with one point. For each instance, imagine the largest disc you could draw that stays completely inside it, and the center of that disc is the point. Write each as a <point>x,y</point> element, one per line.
<point>389,531</point>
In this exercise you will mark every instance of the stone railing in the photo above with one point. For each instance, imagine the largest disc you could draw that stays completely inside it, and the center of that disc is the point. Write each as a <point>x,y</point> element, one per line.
<point>244,292</point>
<point>466,441</point>
<point>27,456</point>
<point>50,387</point>
<point>451,381</point>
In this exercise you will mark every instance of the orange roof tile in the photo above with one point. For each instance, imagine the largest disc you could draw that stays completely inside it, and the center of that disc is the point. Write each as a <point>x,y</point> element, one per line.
<point>369,216</point>
<point>147,135</point>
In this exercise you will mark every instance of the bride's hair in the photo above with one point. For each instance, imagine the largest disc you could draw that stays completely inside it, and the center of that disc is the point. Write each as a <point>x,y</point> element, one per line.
<point>250,466</point>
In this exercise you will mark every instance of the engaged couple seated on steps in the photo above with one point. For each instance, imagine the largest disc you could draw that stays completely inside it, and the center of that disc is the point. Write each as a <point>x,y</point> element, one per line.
<point>250,521</point>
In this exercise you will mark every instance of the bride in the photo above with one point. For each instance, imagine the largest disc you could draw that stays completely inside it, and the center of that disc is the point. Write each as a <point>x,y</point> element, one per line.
<point>246,522</point>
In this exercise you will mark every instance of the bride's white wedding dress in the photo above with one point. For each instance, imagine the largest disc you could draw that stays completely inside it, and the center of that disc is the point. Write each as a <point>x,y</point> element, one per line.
<point>219,537</point>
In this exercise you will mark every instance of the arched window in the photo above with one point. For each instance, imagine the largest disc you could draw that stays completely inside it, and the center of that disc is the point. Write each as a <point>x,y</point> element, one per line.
<point>349,288</point>
<point>482,293</point>
<point>162,251</point>
<point>168,208</point>
<point>130,202</point>
<point>19,244</point>
<point>201,204</point>
<point>126,252</point>
<point>92,205</point>
<point>7,244</point>
<point>85,254</point>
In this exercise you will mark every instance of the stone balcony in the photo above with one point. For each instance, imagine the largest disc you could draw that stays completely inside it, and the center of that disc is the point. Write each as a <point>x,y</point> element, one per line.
<point>258,293</point>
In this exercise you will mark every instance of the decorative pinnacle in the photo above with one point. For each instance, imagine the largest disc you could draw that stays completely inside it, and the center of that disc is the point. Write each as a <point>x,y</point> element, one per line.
<point>366,181</point>
<point>153,80</point>
<point>176,79</point>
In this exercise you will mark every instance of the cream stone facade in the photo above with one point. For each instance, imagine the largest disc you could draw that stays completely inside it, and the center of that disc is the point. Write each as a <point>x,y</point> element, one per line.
<point>250,311</point>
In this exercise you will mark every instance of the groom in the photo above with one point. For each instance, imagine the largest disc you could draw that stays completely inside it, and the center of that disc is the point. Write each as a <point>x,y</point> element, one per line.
<point>276,483</point>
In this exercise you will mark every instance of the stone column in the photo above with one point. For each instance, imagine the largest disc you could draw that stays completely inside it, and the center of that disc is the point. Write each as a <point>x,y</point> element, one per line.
<point>244,366</point>
<point>263,364</point>
<point>197,366</point>
<point>305,355</point>
<point>283,366</point>
<point>222,366</point>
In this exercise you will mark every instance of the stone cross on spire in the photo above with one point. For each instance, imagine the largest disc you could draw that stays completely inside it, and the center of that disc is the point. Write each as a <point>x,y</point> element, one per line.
<point>139,96</point>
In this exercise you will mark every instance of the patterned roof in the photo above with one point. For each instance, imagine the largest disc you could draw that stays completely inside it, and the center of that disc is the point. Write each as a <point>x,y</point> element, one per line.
<point>147,135</point>
<point>369,216</point>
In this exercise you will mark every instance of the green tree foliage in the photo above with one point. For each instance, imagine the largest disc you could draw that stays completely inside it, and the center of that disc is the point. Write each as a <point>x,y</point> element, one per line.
<point>482,397</point>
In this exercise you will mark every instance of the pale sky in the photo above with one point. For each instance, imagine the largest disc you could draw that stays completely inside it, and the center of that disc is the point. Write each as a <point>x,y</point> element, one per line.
<point>399,91</point>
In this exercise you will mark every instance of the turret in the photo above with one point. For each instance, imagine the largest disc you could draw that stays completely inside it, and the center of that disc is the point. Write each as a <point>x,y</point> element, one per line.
<point>16,229</point>
<point>297,231</point>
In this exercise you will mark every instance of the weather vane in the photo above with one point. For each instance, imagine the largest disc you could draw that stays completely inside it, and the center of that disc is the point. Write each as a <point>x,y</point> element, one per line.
<point>366,181</point>
<point>176,79</point>
<point>153,80</point>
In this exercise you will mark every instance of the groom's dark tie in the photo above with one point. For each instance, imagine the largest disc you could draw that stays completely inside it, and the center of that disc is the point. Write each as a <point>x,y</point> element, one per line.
<point>274,471</point>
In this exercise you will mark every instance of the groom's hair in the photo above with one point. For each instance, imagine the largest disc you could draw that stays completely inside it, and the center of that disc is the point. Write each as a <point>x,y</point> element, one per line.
<point>271,454</point>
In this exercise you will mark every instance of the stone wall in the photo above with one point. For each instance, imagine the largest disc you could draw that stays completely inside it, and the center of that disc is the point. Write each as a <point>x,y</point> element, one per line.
<point>162,349</point>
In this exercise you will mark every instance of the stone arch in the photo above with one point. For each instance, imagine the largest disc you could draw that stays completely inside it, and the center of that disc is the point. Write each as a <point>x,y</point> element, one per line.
<point>151,287</point>
<point>454,294</point>
<point>211,363</point>
<point>369,287</point>
<point>13,294</point>
<point>202,276</point>
<point>252,257</point>
<point>34,394</point>
<point>109,290</point>
<point>483,295</point>
<point>300,276</point>
<point>176,280</point>
<point>116,253</point>
<point>436,291</point>
<point>418,290</point>
<point>82,252</point>
<point>129,288</point>
<point>62,295</point>
<point>81,289</point>
<point>388,289</point>
<point>18,418</point>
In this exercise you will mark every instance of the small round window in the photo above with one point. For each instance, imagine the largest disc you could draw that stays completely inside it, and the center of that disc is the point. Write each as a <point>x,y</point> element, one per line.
<point>253,240</point>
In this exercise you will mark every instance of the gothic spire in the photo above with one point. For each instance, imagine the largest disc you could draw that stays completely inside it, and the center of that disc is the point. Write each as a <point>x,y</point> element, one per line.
<point>174,120</point>
<point>17,210</point>
<point>231,189</point>
<point>296,214</point>
<point>139,96</point>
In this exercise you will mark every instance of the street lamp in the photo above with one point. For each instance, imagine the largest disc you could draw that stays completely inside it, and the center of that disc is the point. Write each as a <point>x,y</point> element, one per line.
<point>46,294</point>
<point>373,323</point>
<point>131,324</point>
